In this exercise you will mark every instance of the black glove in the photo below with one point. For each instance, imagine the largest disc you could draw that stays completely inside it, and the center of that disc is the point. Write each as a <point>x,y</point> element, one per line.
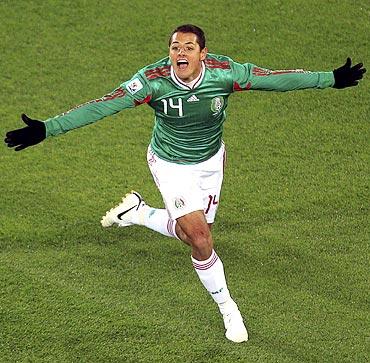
<point>32,134</point>
<point>347,76</point>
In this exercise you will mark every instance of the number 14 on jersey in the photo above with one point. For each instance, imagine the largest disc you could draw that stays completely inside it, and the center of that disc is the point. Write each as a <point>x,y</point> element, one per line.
<point>170,103</point>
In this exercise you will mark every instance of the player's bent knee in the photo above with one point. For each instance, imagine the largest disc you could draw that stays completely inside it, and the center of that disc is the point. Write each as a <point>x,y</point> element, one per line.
<point>196,231</point>
<point>200,242</point>
<point>201,247</point>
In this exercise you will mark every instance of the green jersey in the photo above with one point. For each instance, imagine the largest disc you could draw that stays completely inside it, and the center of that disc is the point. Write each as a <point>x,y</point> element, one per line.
<point>189,118</point>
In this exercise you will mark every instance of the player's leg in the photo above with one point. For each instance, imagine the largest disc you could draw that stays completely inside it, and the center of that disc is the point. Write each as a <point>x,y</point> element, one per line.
<point>133,210</point>
<point>211,273</point>
<point>192,205</point>
<point>195,229</point>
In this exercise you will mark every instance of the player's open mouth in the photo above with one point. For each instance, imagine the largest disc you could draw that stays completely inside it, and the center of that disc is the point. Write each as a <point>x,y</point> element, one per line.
<point>182,63</point>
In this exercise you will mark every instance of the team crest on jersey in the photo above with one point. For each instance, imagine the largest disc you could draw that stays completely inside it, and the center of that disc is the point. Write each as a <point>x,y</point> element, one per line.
<point>179,203</point>
<point>217,104</point>
<point>134,86</point>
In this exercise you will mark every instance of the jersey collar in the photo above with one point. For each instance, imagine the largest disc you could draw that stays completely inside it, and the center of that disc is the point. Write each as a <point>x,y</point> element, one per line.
<point>191,85</point>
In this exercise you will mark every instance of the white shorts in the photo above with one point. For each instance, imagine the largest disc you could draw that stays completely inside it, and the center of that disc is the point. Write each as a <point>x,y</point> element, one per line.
<point>188,188</point>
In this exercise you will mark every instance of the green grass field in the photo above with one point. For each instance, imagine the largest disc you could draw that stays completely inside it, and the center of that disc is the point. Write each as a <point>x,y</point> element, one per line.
<point>293,225</point>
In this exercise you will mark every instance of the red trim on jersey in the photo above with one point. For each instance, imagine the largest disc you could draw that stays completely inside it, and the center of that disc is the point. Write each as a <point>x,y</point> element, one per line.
<point>145,100</point>
<point>288,71</point>
<point>257,71</point>
<point>119,92</point>
<point>260,72</point>
<point>214,63</point>
<point>158,72</point>
<point>237,87</point>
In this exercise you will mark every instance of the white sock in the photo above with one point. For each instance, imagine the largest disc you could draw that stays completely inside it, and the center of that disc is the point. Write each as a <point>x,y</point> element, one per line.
<point>158,220</point>
<point>211,274</point>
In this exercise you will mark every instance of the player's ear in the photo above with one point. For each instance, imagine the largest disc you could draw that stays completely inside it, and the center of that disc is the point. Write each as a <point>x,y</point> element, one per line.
<point>203,53</point>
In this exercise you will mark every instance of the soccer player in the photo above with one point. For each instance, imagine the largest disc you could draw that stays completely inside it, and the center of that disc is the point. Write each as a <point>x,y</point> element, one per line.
<point>189,92</point>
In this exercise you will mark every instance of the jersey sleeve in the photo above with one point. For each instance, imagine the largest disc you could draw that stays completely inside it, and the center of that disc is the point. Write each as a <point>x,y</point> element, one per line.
<point>129,94</point>
<point>249,76</point>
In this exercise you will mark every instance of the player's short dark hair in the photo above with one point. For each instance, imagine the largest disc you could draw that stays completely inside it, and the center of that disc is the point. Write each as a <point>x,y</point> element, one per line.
<point>190,28</point>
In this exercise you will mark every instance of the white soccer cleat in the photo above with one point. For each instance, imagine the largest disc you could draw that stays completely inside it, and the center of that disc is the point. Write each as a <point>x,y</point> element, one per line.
<point>235,328</point>
<point>126,213</point>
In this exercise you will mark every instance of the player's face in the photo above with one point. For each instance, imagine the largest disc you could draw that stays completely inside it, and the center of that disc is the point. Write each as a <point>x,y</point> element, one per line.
<point>186,56</point>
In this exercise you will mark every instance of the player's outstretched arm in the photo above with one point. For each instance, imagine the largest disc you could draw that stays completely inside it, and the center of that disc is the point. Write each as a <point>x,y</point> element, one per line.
<point>32,134</point>
<point>347,76</point>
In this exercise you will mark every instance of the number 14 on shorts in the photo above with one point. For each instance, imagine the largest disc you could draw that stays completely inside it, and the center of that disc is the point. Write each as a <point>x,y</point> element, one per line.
<point>211,201</point>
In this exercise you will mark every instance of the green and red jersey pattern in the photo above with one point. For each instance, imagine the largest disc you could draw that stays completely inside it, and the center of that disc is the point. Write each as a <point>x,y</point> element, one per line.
<point>188,122</point>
